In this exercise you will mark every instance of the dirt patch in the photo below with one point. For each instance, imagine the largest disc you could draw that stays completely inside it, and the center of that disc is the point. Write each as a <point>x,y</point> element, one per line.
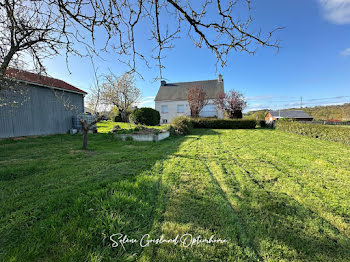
<point>19,138</point>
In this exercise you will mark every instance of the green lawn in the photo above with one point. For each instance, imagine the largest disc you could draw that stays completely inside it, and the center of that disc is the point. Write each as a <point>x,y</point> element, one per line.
<point>272,195</point>
<point>107,126</point>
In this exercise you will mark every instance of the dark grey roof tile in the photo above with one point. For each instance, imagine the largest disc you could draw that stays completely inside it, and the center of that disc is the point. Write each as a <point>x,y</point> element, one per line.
<point>290,114</point>
<point>178,91</point>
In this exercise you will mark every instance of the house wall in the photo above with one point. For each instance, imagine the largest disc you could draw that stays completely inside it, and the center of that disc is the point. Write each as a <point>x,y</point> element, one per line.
<point>41,114</point>
<point>172,110</point>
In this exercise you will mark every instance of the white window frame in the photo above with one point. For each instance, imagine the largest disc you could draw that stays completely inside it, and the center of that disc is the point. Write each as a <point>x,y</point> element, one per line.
<point>183,109</point>
<point>164,111</point>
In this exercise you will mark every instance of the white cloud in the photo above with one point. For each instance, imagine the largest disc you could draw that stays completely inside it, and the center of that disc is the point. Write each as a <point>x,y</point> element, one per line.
<point>147,102</point>
<point>336,11</point>
<point>149,97</point>
<point>345,52</point>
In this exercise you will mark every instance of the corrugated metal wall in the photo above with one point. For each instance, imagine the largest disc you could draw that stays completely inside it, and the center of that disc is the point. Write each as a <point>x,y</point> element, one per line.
<point>42,114</point>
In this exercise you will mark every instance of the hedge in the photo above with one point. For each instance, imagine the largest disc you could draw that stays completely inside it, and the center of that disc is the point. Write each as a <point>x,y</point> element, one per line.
<point>330,133</point>
<point>181,125</point>
<point>223,123</point>
<point>145,116</point>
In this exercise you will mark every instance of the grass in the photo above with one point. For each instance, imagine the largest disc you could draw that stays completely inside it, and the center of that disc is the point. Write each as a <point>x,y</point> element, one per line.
<point>274,196</point>
<point>107,126</point>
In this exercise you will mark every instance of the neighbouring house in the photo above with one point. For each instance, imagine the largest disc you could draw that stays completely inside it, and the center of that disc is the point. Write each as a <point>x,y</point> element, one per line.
<point>43,106</point>
<point>297,115</point>
<point>171,99</point>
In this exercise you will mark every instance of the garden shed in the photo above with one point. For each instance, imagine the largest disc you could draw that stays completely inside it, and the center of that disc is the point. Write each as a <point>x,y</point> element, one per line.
<point>34,104</point>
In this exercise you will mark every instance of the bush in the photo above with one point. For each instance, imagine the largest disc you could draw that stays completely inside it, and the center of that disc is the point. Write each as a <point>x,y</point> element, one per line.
<point>331,133</point>
<point>223,123</point>
<point>145,116</point>
<point>181,125</point>
<point>263,124</point>
<point>118,118</point>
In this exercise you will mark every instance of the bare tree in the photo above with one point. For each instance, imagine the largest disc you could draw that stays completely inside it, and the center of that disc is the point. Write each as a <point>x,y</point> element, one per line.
<point>33,28</point>
<point>209,23</point>
<point>43,28</point>
<point>87,127</point>
<point>197,99</point>
<point>232,103</point>
<point>120,92</point>
<point>13,94</point>
<point>94,98</point>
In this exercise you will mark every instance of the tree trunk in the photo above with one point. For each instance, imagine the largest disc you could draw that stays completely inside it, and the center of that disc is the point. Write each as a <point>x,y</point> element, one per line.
<point>85,139</point>
<point>6,61</point>
<point>124,116</point>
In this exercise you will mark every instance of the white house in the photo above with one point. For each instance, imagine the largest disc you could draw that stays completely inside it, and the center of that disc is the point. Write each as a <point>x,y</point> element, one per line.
<point>171,99</point>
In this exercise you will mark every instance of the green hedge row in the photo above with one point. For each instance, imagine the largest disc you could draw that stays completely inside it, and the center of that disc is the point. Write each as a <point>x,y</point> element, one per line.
<point>223,123</point>
<point>183,125</point>
<point>331,133</point>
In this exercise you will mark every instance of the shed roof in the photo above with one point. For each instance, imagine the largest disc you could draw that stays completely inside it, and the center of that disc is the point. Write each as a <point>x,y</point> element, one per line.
<point>290,114</point>
<point>22,75</point>
<point>178,91</point>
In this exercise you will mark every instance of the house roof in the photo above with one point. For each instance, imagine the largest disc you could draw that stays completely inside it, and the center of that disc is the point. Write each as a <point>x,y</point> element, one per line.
<point>178,91</point>
<point>290,114</point>
<point>26,76</point>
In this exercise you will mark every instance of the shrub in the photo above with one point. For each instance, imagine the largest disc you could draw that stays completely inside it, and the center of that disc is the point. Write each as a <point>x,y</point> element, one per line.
<point>263,124</point>
<point>171,130</point>
<point>118,118</point>
<point>331,133</point>
<point>181,125</point>
<point>223,123</point>
<point>145,116</point>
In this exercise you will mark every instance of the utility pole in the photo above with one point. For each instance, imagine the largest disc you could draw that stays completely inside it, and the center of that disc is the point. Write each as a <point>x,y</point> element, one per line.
<point>301,102</point>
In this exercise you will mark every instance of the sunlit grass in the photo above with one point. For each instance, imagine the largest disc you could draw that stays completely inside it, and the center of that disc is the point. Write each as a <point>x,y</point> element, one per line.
<point>107,126</point>
<point>274,196</point>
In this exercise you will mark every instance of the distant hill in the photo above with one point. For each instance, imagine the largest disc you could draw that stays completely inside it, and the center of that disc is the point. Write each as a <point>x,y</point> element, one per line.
<point>256,114</point>
<point>338,112</point>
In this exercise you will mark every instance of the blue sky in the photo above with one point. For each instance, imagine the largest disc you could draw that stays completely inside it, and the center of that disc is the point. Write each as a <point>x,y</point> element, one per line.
<point>313,62</point>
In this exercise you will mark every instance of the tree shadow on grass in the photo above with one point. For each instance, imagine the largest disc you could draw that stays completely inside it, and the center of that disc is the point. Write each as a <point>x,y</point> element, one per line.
<point>259,224</point>
<point>67,208</point>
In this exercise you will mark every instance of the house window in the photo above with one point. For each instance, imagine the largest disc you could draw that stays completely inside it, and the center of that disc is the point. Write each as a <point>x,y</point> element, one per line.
<point>165,121</point>
<point>208,111</point>
<point>164,109</point>
<point>180,108</point>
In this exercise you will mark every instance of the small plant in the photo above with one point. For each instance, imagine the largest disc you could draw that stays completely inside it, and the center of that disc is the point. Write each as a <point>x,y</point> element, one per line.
<point>171,130</point>
<point>182,125</point>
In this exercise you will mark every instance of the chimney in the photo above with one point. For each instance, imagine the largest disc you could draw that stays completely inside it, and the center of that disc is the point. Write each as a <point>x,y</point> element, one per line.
<point>220,78</point>
<point>163,83</point>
